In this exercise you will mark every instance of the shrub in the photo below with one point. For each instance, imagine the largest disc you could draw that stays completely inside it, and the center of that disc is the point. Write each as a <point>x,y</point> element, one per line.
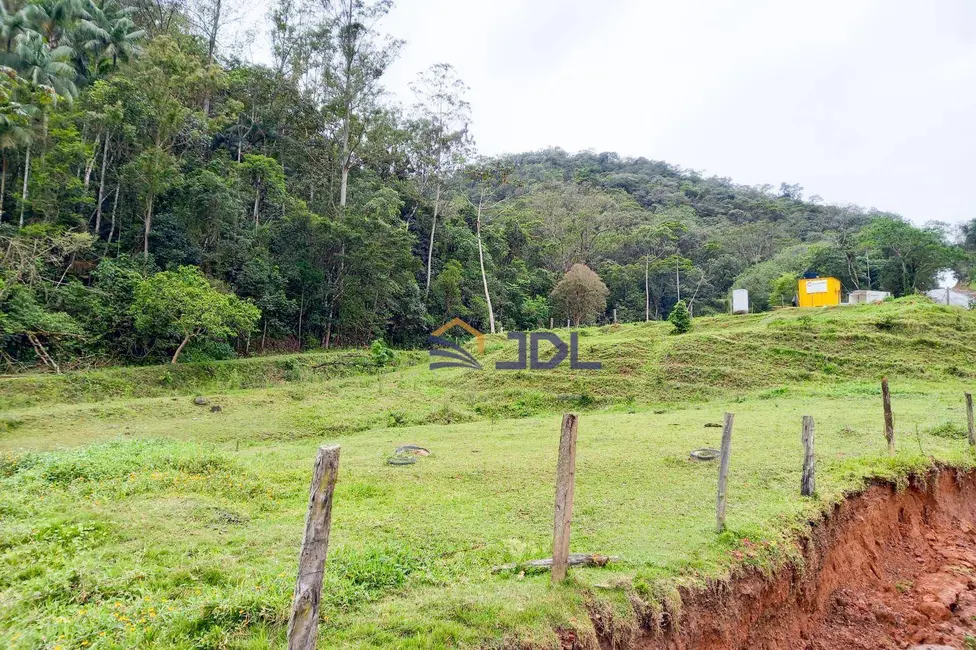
<point>680,318</point>
<point>381,354</point>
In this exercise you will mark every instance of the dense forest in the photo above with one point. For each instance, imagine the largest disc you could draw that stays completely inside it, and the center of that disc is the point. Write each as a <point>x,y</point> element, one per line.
<point>160,199</point>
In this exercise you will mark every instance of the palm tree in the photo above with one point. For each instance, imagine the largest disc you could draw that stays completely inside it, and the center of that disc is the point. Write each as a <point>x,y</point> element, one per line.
<point>110,33</point>
<point>54,19</point>
<point>45,68</point>
<point>48,74</point>
<point>11,25</point>
<point>15,131</point>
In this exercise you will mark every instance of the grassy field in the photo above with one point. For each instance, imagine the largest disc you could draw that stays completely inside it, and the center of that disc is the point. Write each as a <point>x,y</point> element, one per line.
<point>134,518</point>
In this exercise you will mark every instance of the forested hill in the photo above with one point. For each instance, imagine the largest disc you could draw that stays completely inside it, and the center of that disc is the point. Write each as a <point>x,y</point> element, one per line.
<point>160,200</point>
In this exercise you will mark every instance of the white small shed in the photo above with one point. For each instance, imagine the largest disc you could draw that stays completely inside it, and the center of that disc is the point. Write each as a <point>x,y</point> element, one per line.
<point>740,301</point>
<point>866,297</point>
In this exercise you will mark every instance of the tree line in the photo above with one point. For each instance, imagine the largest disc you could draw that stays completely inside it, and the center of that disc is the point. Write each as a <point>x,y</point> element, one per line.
<point>162,199</point>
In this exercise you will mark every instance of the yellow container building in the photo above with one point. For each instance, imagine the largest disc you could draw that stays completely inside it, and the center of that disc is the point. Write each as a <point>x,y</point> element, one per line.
<point>818,292</point>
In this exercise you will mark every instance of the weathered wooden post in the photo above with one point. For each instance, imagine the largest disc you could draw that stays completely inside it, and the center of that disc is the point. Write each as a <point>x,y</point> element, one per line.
<point>723,471</point>
<point>808,482</point>
<point>550,323</point>
<point>969,419</point>
<point>889,419</point>
<point>304,620</point>
<point>565,480</point>
<point>614,315</point>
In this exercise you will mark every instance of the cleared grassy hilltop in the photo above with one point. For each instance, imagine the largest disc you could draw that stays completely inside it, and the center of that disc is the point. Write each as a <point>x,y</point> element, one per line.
<point>131,517</point>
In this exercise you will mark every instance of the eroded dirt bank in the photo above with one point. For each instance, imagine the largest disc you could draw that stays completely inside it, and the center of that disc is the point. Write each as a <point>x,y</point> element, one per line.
<point>886,569</point>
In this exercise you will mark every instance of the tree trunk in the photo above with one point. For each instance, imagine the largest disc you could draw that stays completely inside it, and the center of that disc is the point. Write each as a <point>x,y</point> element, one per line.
<point>101,188</point>
<point>3,183</point>
<point>23,198</point>
<point>176,355</point>
<point>343,184</point>
<point>115,204</point>
<point>257,202</point>
<point>484,276</point>
<point>677,277</point>
<point>91,163</point>
<point>211,47</point>
<point>430,247</point>
<point>647,289</point>
<point>148,225</point>
<point>301,314</point>
<point>349,53</point>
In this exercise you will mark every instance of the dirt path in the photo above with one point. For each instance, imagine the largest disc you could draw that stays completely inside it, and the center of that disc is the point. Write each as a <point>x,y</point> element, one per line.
<point>887,569</point>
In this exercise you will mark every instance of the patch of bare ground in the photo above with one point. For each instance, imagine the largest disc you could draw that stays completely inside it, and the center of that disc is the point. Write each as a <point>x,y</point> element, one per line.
<point>888,568</point>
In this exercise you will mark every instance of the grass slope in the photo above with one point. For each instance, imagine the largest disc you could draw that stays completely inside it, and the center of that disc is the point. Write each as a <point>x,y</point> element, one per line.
<point>155,523</point>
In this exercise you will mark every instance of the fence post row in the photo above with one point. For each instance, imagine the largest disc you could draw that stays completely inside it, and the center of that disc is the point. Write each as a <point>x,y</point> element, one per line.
<point>304,620</point>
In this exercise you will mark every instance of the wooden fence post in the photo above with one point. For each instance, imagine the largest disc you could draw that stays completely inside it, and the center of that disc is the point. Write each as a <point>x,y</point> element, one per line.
<point>969,419</point>
<point>723,471</point>
<point>304,620</point>
<point>565,479</point>
<point>889,419</point>
<point>614,315</point>
<point>809,482</point>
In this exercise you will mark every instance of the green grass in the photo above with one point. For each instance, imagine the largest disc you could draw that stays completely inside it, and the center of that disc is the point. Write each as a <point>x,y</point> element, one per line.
<point>155,523</point>
<point>184,378</point>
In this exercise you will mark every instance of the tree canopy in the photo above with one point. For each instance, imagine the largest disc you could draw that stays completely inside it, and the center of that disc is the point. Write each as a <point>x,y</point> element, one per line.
<point>181,305</point>
<point>133,143</point>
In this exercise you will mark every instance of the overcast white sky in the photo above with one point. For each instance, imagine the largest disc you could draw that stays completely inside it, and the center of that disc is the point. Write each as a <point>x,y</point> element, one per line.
<point>864,101</point>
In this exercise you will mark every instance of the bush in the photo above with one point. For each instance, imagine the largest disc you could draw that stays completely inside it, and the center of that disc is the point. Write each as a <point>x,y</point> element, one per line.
<point>381,355</point>
<point>680,318</point>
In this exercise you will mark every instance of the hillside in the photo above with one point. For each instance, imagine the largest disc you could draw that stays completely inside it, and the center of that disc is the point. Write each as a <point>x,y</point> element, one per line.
<point>173,203</point>
<point>153,522</point>
<point>642,365</point>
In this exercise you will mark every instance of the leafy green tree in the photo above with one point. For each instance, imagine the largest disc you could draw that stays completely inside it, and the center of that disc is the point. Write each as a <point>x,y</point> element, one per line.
<point>680,318</point>
<point>153,172</point>
<point>912,257</point>
<point>447,291</point>
<point>166,85</point>
<point>440,142</point>
<point>267,179</point>
<point>359,57</point>
<point>182,305</point>
<point>581,294</point>
<point>760,279</point>
<point>783,289</point>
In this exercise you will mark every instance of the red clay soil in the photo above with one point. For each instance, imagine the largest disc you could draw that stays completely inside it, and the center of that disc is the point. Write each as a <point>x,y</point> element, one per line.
<point>885,569</point>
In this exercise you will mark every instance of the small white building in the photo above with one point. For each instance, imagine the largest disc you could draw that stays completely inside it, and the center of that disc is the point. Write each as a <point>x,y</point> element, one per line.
<point>740,301</point>
<point>866,297</point>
